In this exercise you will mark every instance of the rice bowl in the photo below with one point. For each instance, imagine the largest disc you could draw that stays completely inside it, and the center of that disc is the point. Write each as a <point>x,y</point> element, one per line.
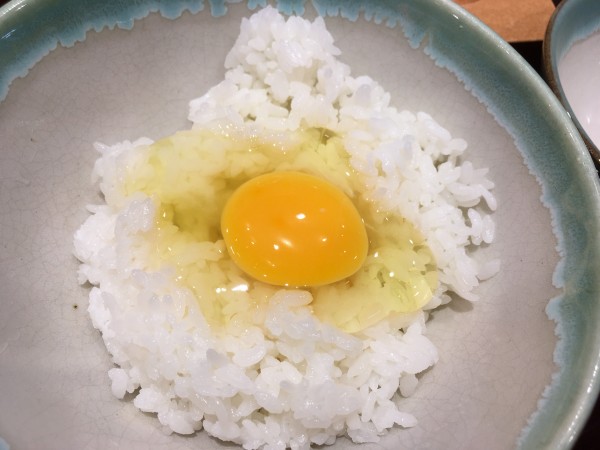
<point>457,362</point>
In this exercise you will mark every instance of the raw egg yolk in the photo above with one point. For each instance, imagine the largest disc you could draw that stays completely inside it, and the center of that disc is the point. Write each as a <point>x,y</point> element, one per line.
<point>293,229</point>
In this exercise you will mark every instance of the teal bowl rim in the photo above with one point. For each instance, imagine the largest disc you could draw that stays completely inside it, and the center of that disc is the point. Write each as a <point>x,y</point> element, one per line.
<point>512,91</point>
<point>570,22</point>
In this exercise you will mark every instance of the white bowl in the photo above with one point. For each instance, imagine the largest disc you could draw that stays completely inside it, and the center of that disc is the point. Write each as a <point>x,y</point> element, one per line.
<point>572,65</point>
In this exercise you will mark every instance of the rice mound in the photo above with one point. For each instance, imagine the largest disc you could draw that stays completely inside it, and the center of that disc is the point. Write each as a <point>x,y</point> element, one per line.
<point>285,380</point>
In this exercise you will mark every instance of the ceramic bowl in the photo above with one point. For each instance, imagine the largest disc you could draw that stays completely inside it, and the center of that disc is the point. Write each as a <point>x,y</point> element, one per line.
<point>571,64</point>
<point>517,369</point>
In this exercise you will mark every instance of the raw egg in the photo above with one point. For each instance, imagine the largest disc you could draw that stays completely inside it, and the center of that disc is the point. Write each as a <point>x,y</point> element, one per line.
<point>294,229</point>
<point>283,228</point>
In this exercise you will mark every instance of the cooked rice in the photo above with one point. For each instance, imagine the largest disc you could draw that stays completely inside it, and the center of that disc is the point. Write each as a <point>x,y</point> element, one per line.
<point>284,380</point>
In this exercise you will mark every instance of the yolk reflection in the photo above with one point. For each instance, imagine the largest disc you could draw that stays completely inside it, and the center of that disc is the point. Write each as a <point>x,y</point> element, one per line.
<point>293,229</point>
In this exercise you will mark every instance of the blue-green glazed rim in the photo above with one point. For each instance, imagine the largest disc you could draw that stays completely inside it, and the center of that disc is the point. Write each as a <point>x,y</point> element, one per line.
<point>498,77</point>
<point>571,21</point>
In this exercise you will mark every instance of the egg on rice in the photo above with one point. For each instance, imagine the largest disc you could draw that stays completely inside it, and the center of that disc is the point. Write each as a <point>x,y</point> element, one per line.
<point>266,275</point>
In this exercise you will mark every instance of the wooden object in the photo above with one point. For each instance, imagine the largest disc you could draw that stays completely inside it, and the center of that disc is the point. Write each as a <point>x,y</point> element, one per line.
<point>513,20</point>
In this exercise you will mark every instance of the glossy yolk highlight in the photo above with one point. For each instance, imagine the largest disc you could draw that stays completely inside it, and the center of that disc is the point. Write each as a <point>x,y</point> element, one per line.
<point>293,229</point>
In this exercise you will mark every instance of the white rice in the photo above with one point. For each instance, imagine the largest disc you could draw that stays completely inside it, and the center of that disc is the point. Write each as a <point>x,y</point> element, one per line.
<point>286,380</point>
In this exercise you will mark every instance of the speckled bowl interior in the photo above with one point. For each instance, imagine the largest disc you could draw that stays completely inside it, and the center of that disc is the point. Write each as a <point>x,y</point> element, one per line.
<point>571,22</point>
<point>516,369</point>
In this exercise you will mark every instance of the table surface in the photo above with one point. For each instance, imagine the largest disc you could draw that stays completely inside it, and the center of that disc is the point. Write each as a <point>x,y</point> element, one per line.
<point>513,20</point>
<point>522,23</point>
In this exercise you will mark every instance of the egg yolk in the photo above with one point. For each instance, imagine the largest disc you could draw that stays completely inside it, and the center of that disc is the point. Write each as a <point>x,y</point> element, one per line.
<point>293,229</point>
